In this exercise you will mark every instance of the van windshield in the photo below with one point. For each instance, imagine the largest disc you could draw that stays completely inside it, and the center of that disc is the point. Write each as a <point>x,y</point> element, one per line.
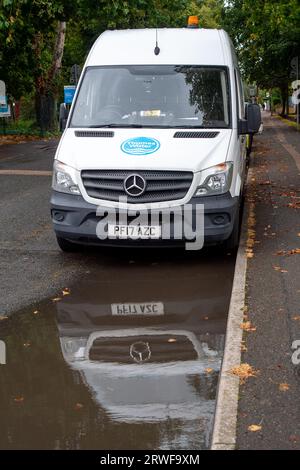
<point>161,96</point>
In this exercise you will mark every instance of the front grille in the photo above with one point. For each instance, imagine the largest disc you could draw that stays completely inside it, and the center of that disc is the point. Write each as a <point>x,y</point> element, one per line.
<point>94,133</point>
<point>153,348</point>
<point>160,185</point>
<point>196,135</point>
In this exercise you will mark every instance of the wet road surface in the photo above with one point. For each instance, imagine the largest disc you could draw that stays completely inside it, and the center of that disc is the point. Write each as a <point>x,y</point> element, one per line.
<point>28,249</point>
<point>127,358</point>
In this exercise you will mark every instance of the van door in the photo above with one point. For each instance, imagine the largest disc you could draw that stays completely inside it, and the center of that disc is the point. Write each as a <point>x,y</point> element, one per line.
<point>241,115</point>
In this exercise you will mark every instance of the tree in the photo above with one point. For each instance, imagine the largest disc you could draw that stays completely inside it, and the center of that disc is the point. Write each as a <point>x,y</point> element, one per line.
<point>266,35</point>
<point>33,34</point>
<point>41,39</point>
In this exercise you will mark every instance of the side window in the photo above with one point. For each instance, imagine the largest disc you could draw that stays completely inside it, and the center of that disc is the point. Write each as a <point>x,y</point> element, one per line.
<point>240,94</point>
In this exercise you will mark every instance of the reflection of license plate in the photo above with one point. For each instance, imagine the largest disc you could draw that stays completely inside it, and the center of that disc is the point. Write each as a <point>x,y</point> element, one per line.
<point>134,231</point>
<point>151,308</point>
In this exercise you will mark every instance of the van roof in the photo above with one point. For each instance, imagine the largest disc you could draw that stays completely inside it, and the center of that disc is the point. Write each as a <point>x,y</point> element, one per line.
<point>178,46</point>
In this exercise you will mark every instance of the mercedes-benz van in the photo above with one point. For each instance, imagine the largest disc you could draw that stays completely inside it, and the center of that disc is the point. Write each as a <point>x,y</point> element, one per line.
<point>158,122</point>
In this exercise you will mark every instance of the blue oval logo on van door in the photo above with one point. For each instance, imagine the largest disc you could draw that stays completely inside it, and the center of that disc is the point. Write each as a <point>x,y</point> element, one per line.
<point>140,146</point>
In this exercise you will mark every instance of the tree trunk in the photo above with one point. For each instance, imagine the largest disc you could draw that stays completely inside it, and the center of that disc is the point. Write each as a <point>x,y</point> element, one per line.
<point>45,96</point>
<point>45,111</point>
<point>284,98</point>
<point>58,52</point>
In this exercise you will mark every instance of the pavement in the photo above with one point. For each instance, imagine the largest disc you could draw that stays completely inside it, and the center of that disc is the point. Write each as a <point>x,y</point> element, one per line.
<point>269,402</point>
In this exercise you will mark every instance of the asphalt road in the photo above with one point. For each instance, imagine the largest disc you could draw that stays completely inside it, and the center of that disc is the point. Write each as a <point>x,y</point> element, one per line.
<point>31,266</point>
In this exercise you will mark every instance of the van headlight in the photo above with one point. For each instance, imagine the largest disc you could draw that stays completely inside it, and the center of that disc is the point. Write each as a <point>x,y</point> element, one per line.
<point>63,179</point>
<point>73,349</point>
<point>217,180</point>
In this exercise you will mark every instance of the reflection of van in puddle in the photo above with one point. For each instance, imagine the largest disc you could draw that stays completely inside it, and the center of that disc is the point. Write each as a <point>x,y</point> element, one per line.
<point>152,365</point>
<point>162,126</point>
<point>147,374</point>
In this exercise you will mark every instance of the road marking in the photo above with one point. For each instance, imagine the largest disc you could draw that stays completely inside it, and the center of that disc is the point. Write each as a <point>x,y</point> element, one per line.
<point>26,172</point>
<point>224,430</point>
<point>282,139</point>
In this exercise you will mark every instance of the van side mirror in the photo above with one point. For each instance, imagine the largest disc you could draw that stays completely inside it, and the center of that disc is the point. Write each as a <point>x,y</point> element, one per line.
<point>63,116</point>
<point>253,114</point>
<point>252,123</point>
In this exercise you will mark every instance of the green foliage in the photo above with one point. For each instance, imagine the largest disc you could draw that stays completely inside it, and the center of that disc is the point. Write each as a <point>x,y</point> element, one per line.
<point>267,37</point>
<point>265,33</point>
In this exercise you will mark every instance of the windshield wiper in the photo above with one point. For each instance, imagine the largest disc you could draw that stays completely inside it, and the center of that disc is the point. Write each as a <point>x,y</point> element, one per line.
<point>113,125</point>
<point>157,126</point>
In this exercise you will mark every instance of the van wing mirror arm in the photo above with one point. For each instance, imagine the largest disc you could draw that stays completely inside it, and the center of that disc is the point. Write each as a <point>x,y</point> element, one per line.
<point>243,127</point>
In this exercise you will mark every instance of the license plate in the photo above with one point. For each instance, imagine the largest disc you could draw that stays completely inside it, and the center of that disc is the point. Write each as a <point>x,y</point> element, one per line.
<point>150,309</point>
<point>134,231</point>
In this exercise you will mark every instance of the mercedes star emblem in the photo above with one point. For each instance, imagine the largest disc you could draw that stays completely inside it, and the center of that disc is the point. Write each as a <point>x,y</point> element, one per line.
<point>134,185</point>
<point>140,352</point>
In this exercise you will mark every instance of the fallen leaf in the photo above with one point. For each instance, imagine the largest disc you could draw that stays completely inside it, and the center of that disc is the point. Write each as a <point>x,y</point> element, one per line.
<point>18,399</point>
<point>254,428</point>
<point>209,370</point>
<point>56,299</point>
<point>35,312</point>
<point>27,344</point>
<point>247,326</point>
<point>3,317</point>
<point>66,291</point>
<point>294,438</point>
<point>295,251</point>
<point>78,406</point>
<point>283,387</point>
<point>278,268</point>
<point>243,371</point>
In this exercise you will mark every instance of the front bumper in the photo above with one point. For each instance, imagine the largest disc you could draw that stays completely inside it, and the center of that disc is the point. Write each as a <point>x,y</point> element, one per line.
<point>75,219</point>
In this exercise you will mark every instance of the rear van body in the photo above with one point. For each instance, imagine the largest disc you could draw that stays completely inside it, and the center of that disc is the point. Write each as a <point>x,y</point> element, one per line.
<point>155,129</point>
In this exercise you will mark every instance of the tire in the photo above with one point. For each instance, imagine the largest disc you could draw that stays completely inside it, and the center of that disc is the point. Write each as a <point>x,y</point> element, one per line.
<point>67,246</point>
<point>232,242</point>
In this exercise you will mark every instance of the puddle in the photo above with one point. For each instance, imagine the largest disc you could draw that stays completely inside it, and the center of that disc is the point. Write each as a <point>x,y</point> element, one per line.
<point>128,360</point>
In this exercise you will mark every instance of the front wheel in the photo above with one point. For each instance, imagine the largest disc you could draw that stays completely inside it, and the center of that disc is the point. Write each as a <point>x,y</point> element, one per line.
<point>233,241</point>
<point>67,246</point>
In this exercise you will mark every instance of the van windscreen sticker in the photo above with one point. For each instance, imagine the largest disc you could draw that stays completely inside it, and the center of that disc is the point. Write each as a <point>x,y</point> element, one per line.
<point>140,146</point>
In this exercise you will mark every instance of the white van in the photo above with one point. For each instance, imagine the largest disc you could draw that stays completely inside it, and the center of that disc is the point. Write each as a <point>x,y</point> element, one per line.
<point>158,121</point>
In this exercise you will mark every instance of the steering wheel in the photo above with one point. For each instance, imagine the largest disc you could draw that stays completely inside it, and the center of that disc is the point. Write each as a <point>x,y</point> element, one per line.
<point>113,109</point>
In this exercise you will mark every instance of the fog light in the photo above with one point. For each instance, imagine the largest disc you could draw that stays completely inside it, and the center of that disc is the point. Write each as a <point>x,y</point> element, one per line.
<point>58,216</point>
<point>219,220</point>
